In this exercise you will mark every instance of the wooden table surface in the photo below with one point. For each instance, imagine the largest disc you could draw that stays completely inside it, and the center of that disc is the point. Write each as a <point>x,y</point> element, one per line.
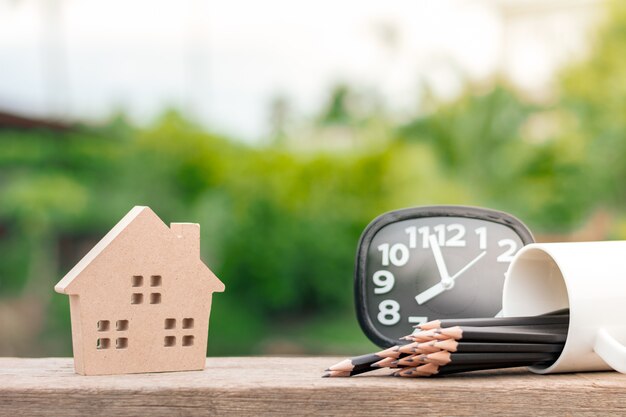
<point>258,386</point>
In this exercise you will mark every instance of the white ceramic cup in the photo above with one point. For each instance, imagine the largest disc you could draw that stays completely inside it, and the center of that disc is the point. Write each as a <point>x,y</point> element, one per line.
<point>587,277</point>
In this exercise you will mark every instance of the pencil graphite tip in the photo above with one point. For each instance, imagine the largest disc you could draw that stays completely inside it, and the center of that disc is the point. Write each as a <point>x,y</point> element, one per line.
<point>413,360</point>
<point>450,345</point>
<point>429,368</point>
<point>326,375</point>
<point>405,361</point>
<point>441,335</point>
<point>407,372</point>
<point>423,358</point>
<point>412,373</point>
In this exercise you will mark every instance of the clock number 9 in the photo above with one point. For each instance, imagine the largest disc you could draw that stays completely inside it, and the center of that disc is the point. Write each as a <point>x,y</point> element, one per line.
<point>384,280</point>
<point>389,312</point>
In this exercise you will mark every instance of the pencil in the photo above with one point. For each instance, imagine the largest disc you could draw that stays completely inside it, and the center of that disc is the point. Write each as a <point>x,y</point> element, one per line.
<point>445,358</point>
<point>454,369</point>
<point>497,321</point>
<point>452,345</point>
<point>348,365</point>
<point>344,374</point>
<point>364,361</point>
<point>495,334</point>
<point>334,374</point>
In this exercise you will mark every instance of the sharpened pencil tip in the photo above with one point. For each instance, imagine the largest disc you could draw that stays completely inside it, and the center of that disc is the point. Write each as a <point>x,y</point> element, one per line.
<point>326,375</point>
<point>429,368</point>
<point>344,365</point>
<point>429,325</point>
<point>439,358</point>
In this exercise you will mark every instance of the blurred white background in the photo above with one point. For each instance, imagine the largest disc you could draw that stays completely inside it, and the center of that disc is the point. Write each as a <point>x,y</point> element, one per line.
<point>225,62</point>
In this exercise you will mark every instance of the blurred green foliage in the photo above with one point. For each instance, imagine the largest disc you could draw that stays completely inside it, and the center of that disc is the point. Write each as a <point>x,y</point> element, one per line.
<point>280,223</point>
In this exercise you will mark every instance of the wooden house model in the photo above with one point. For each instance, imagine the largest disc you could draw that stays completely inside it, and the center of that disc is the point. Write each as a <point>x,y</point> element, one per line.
<point>140,299</point>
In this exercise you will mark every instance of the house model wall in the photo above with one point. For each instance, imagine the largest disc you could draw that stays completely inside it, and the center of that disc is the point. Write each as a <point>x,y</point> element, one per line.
<point>140,299</point>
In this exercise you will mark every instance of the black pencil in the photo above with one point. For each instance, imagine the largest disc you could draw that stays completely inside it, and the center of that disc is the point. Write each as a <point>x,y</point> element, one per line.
<point>497,321</point>
<point>455,369</point>
<point>344,374</point>
<point>364,361</point>
<point>445,358</point>
<point>493,334</point>
<point>434,370</point>
<point>452,345</point>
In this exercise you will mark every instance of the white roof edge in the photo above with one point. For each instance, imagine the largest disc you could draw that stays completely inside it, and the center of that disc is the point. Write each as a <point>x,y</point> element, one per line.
<point>63,285</point>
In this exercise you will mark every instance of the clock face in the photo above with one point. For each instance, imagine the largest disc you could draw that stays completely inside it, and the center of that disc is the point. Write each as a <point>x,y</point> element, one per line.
<point>430,267</point>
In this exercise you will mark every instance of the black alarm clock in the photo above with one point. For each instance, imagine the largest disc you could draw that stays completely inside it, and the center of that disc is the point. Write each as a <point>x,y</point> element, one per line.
<point>437,262</point>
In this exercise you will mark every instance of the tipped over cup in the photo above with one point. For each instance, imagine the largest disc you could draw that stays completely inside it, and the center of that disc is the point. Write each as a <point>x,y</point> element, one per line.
<point>589,278</point>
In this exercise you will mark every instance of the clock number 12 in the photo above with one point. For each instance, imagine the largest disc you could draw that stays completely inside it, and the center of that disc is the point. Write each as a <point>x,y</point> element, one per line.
<point>451,235</point>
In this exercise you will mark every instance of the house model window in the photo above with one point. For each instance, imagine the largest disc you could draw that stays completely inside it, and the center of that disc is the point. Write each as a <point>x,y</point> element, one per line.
<point>140,300</point>
<point>137,282</point>
<point>105,334</point>
<point>186,339</point>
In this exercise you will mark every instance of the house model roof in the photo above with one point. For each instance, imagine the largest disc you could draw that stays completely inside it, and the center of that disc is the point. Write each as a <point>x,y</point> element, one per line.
<point>138,213</point>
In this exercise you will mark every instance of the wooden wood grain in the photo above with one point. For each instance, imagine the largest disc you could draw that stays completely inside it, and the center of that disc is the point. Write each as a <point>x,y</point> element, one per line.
<point>259,386</point>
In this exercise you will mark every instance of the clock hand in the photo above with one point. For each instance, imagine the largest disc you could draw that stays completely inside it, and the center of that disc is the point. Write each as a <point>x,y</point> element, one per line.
<point>444,285</point>
<point>441,266</point>
<point>430,293</point>
<point>445,282</point>
<point>466,267</point>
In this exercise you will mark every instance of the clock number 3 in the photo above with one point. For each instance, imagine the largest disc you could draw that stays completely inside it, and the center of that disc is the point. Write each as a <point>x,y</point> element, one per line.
<point>389,312</point>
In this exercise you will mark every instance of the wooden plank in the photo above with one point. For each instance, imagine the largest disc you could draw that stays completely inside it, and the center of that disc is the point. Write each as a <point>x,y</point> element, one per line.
<point>259,386</point>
